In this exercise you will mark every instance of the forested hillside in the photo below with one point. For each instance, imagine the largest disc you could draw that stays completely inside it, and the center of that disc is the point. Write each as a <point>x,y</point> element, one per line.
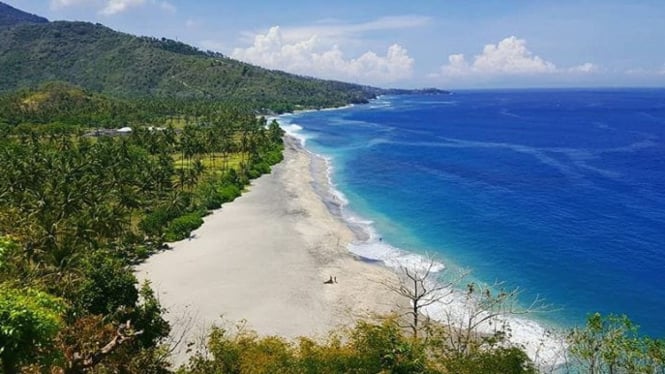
<point>60,104</point>
<point>10,16</point>
<point>103,60</point>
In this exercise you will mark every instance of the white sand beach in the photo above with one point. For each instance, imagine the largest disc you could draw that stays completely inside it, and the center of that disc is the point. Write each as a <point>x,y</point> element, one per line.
<point>264,258</point>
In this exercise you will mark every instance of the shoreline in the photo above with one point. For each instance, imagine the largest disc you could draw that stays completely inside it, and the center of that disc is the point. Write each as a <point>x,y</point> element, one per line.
<point>264,258</point>
<point>542,342</point>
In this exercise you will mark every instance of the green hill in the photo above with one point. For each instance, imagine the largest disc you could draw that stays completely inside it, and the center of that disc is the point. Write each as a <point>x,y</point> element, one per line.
<point>10,16</point>
<point>103,60</point>
<point>59,102</point>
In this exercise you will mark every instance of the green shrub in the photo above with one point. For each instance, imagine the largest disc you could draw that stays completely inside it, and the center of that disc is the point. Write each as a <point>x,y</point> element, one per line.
<point>155,221</point>
<point>260,168</point>
<point>228,192</point>
<point>211,198</point>
<point>369,348</point>
<point>275,156</point>
<point>499,360</point>
<point>181,227</point>
<point>231,177</point>
<point>29,320</point>
<point>141,252</point>
<point>108,285</point>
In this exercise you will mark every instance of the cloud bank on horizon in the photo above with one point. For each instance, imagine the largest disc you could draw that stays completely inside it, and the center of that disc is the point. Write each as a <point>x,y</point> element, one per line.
<point>308,56</point>
<point>510,56</point>
<point>456,44</point>
<point>311,57</point>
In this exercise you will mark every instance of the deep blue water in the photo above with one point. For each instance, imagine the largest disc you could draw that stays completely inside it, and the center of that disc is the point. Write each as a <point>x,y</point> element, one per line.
<point>558,192</point>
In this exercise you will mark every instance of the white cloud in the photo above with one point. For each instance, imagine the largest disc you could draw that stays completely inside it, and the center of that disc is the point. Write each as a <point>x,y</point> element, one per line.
<point>112,7</point>
<point>637,71</point>
<point>584,68</point>
<point>166,6</point>
<point>310,56</point>
<point>332,29</point>
<point>509,57</point>
<point>645,72</point>
<point>335,31</point>
<point>118,6</point>
<point>191,23</point>
<point>57,4</point>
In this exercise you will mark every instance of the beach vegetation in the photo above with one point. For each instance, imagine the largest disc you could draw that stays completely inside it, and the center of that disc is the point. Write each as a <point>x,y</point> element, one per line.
<point>368,347</point>
<point>29,321</point>
<point>79,205</point>
<point>182,226</point>
<point>612,344</point>
<point>484,321</point>
<point>418,287</point>
<point>469,319</point>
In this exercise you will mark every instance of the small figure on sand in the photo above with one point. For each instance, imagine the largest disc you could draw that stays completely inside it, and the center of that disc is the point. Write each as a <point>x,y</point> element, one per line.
<point>331,280</point>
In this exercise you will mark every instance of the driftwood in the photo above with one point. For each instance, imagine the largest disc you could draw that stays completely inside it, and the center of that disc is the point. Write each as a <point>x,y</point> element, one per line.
<point>80,363</point>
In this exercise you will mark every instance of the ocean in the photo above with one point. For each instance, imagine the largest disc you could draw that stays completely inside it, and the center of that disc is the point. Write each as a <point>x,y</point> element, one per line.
<point>558,192</point>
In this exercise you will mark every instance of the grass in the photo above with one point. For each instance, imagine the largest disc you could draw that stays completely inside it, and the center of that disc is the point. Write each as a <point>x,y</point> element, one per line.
<point>176,122</point>
<point>212,165</point>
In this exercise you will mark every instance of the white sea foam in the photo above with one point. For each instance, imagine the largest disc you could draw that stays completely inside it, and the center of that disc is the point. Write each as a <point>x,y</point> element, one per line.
<point>543,345</point>
<point>294,130</point>
<point>375,104</point>
<point>338,108</point>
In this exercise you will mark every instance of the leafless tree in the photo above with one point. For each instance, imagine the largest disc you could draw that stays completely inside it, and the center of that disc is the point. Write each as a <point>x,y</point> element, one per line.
<point>480,316</point>
<point>420,287</point>
<point>468,318</point>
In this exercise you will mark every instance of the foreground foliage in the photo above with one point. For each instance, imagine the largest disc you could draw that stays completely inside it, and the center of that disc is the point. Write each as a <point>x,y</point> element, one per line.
<point>367,348</point>
<point>612,344</point>
<point>29,321</point>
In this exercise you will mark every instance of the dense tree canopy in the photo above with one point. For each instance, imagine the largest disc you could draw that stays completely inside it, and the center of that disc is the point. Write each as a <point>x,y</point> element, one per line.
<point>102,60</point>
<point>78,207</point>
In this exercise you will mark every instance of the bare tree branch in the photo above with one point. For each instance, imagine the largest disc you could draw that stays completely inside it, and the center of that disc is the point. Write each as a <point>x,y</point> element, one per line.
<point>82,363</point>
<point>421,288</point>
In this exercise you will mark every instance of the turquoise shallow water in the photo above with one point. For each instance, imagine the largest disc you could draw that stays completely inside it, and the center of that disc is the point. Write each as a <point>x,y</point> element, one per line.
<point>558,192</point>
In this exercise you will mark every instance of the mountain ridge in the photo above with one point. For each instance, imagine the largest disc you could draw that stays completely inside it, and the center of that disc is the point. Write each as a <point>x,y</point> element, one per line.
<point>10,16</point>
<point>100,59</point>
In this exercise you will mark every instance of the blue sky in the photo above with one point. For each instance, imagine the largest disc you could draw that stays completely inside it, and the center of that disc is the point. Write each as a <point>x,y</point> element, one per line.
<point>447,44</point>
